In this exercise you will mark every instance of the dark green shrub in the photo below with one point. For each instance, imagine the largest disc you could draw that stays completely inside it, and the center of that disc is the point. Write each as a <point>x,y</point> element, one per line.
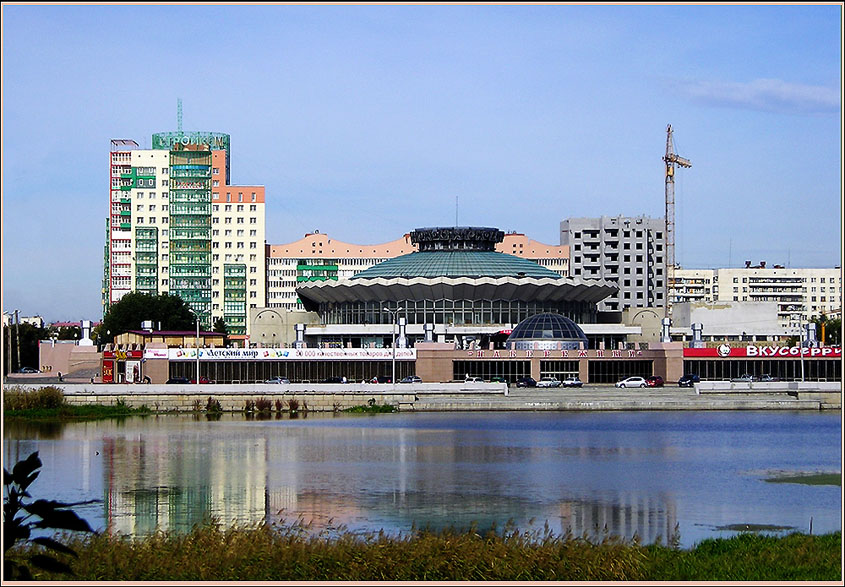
<point>263,404</point>
<point>35,515</point>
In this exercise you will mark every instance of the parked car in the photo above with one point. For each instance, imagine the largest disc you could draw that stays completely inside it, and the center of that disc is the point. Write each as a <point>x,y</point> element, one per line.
<point>474,380</point>
<point>632,382</point>
<point>548,382</point>
<point>278,379</point>
<point>768,378</point>
<point>688,380</point>
<point>178,380</point>
<point>654,381</point>
<point>28,370</point>
<point>380,379</point>
<point>526,382</point>
<point>202,380</point>
<point>572,381</point>
<point>745,378</point>
<point>498,379</point>
<point>334,380</point>
<point>411,379</point>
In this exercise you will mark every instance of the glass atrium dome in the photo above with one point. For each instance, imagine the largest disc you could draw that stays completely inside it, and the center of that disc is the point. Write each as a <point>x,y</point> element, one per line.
<point>547,330</point>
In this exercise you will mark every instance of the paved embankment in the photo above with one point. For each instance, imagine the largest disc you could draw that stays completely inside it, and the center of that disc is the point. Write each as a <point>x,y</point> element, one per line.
<point>461,396</point>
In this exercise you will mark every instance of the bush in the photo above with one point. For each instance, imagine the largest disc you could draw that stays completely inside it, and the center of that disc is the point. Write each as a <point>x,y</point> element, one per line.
<point>263,404</point>
<point>43,398</point>
<point>35,515</point>
<point>213,406</point>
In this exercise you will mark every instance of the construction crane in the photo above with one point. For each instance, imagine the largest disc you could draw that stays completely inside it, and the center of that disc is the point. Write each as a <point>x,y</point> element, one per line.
<point>671,159</point>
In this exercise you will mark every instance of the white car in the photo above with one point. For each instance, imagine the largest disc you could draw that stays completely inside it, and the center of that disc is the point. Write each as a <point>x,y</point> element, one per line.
<point>572,382</point>
<point>632,382</point>
<point>548,382</point>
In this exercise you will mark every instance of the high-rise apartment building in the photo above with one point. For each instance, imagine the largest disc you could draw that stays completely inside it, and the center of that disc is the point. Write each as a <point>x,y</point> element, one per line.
<point>317,257</point>
<point>627,251</point>
<point>176,225</point>
<point>801,294</point>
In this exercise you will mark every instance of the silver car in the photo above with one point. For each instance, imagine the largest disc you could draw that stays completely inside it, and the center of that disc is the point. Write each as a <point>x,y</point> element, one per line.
<point>632,382</point>
<point>548,382</point>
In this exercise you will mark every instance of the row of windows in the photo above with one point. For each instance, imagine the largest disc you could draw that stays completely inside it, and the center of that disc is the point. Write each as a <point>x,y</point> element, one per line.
<point>216,195</point>
<point>239,208</point>
<point>452,311</point>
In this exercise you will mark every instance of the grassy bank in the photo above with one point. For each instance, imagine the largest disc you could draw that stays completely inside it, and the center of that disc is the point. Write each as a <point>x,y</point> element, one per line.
<point>264,554</point>
<point>48,403</point>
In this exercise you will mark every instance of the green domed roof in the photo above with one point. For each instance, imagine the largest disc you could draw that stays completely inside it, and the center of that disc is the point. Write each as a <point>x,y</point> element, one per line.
<point>457,264</point>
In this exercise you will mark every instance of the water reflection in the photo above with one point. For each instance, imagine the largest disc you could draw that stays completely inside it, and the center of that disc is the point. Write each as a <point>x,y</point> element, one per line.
<point>631,474</point>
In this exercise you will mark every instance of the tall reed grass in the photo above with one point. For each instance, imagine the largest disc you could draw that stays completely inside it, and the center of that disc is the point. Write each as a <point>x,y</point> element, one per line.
<point>269,553</point>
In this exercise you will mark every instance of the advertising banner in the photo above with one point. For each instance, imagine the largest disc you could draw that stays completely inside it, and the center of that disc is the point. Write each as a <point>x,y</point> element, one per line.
<point>761,352</point>
<point>261,354</point>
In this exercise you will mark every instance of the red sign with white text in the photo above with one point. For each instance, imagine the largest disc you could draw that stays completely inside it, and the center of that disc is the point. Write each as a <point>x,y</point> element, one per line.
<point>764,352</point>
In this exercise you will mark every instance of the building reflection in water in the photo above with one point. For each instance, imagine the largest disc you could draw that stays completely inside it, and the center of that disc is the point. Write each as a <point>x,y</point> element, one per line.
<point>374,478</point>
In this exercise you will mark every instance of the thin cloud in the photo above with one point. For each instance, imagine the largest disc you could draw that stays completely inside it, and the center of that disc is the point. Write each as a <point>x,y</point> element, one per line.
<point>768,95</point>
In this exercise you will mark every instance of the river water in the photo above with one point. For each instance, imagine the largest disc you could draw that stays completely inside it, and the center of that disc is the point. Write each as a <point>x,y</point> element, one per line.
<point>643,473</point>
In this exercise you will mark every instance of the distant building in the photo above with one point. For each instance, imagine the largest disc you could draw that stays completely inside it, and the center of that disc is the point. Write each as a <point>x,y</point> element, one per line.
<point>9,320</point>
<point>800,294</point>
<point>627,251</point>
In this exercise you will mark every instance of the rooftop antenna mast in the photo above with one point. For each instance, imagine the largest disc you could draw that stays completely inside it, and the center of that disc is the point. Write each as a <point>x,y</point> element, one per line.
<point>671,159</point>
<point>179,114</point>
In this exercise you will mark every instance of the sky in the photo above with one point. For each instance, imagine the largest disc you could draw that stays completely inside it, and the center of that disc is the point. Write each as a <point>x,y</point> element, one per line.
<point>367,121</point>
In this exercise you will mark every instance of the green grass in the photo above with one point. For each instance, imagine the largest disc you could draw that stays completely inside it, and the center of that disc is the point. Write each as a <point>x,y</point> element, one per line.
<point>371,409</point>
<point>263,553</point>
<point>48,404</point>
<point>810,479</point>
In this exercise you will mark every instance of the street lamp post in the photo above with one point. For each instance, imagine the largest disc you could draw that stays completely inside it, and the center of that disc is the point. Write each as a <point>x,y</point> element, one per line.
<point>197,342</point>
<point>801,343</point>
<point>393,314</point>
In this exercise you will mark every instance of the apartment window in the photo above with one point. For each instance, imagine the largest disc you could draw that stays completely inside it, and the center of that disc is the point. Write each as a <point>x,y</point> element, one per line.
<point>240,220</point>
<point>164,233</point>
<point>215,232</point>
<point>639,246</point>
<point>626,258</point>
<point>215,257</point>
<point>164,208</point>
<point>252,220</point>
<point>215,245</point>
<point>627,283</point>
<point>253,245</point>
<point>240,245</point>
<point>253,270</point>
<point>253,207</point>
<point>165,183</point>
<point>165,195</point>
<point>139,220</point>
<point>228,245</point>
<point>240,207</point>
<point>215,281</point>
<point>139,207</point>
<point>152,206</point>
<point>240,197</point>
<point>253,196</point>
<point>253,281</point>
<point>215,170</point>
<point>152,195</point>
<point>253,294</point>
<point>228,197</point>
<point>228,220</point>
<point>215,196</point>
<point>639,258</point>
<point>215,220</point>
<point>252,232</point>
<point>227,208</point>
<point>227,232</point>
<point>152,220</point>
<point>252,257</point>
<point>215,294</point>
<point>626,270</point>
<point>736,280</point>
<point>240,232</point>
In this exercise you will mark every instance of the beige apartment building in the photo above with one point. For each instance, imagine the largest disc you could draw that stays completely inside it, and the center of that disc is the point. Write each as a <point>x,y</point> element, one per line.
<point>318,257</point>
<point>800,293</point>
<point>176,225</point>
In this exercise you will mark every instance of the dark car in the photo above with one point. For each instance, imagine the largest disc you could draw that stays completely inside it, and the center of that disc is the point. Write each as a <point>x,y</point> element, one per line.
<point>278,379</point>
<point>654,381</point>
<point>178,380</point>
<point>380,379</point>
<point>333,380</point>
<point>526,382</point>
<point>203,379</point>
<point>688,380</point>
<point>410,379</point>
<point>29,370</point>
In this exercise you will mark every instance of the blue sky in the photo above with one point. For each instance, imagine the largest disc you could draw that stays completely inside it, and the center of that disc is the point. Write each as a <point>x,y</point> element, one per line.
<point>365,122</point>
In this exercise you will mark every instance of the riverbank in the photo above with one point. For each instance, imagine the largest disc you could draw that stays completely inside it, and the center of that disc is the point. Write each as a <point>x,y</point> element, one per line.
<point>262,553</point>
<point>435,397</point>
